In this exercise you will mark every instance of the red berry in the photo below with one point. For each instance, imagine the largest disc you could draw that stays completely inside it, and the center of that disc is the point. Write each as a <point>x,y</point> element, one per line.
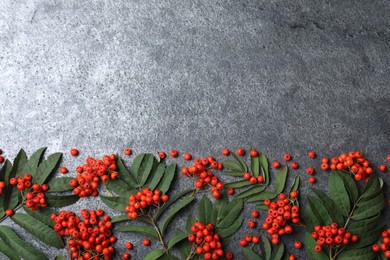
<point>74,152</point>
<point>174,153</point>
<point>251,224</point>
<point>125,256</point>
<point>254,153</point>
<point>1,159</point>
<point>382,168</point>
<point>310,170</point>
<point>129,246</point>
<point>63,170</point>
<point>388,158</point>
<point>9,212</point>
<point>187,156</point>
<point>127,151</point>
<point>253,180</point>
<point>287,157</point>
<point>230,191</point>
<point>294,165</point>
<point>376,248</point>
<point>255,214</point>
<point>293,194</point>
<point>312,155</point>
<point>247,176</point>
<point>240,151</point>
<point>260,179</point>
<point>229,255</point>
<point>312,180</point>
<point>147,242</point>
<point>276,164</point>
<point>298,244</point>
<point>162,155</point>
<point>225,152</point>
<point>243,242</point>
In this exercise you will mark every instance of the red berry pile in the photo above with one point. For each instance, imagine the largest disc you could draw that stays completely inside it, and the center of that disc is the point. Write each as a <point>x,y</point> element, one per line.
<point>204,176</point>
<point>33,194</point>
<point>90,238</point>
<point>332,235</point>
<point>353,162</point>
<point>91,173</point>
<point>384,246</point>
<point>207,242</point>
<point>279,214</point>
<point>143,199</point>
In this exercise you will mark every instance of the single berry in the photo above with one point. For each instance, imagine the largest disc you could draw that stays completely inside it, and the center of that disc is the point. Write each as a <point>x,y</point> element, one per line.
<point>251,224</point>
<point>294,165</point>
<point>276,164</point>
<point>127,151</point>
<point>125,256</point>
<point>240,151</point>
<point>312,154</point>
<point>129,246</point>
<point>255,214</point>
<point>230,191</point>
<point>287,157</point>
<point>254,153</point>
<point>298,244</point>
<point>147,242</point>
<point>187,156</point>
<point>174,153</point>
<point>74,152</point>
<point>247,176</point>
<point>9,212</point>
<point>293,194</point>
<point>225,152</point>
<point>63,170</point>
<point>162,155</point>
<point>382,168</point>
<point>312,180</point>
<point>310,170</point>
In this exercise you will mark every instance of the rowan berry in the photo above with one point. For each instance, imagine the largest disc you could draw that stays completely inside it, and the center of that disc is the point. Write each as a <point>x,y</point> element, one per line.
<point>125,256</point>
<point>260,179</point>
<point>240,151</point>
<point>287,157</point>
<point>9,212</point>
<point>225,152</point>
<point>291,257</point>
<point>2,159</point>
<point>63,170</point>
<point>243,242</point>
<point>276,164</point>
<point>74,152</point>
<point>310,170</point>
<point>253,180</point>
<point>187,156</point>
<point>230,191</point>
<point>388,158</point>
<point>298,244</point>
<point>147,242</point>
<point>229,255</point>
<point>312,180</point>
<point>294,165</point>
<point>312,155</point>
<point>174,153</point>
<point>247,176</point>
<point>127,151</point>
<point>255,214</point>
<point>383,168</point>
<point>251,224</point>
<point>376,248</point>
<point>162,155</point>
<point>293,194</point>
<point>254,153</point>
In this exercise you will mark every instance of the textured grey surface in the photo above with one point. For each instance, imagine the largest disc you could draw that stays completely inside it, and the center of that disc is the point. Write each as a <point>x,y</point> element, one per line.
<point>283,76</point>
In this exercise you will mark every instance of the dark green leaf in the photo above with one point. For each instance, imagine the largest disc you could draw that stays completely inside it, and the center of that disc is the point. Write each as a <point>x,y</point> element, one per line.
<point>120,187</point>
<point>4,173</point>
<point>221,206</point>
<point>295,185</point>
<point>120,218</point>
<point>117,203</point>
<point>255,165</point>
<point>157,176</point>
<point>47,167</point>
<point>350,185</point>
<point>227,232</point>
<point>179,236</point>
<point>184,248</point>
<point>262,207</point>
<point>155,254</point>
<point>261,196</point>
<point>8,251</point>
<point>339,193</point>
<point>369,208</point>
<point>38,229</point>
<point>190,222</point>
<point>60,257</point>
<point>311,219</point>
<point>168,257</point>
<point>363,226</point>
<point>19,245</point>
<point>145,169</point>
<point>330,207</point>
<point>238,184</point>
<point>232,166</point>
<point>234,209</point>
<point>124,174</point>
<point>320,211</point>
<point>280,181</point>
<point>61,200</point>
<point>31,165</point>
<point>373,187</point>
<point>175,209</point>
<point>171,200</point>
<point>205,209</point>
<point>278,252</point>
<point>42,215</point>
<point>60,184</point>
<point>167,179</point>
<point>264,168</point>
<point>265,247</point>
<point>242,164</point>
<point>357,254</point>
<point>139,229</point>
<point>234,174</point>
<point>249,254</point>
<point>253,190</point>
<point>310,243</point>
<point>368,238</point>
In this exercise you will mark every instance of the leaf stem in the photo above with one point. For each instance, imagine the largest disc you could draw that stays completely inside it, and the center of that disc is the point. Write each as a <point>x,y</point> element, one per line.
<point>160,235</point>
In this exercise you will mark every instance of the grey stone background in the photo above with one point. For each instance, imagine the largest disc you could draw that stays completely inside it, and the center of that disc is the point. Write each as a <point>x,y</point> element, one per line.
<point>197,76</point>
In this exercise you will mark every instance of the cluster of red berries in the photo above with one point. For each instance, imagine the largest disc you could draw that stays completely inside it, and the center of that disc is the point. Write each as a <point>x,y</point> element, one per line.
<point>91,173</point>
<point>90,238</point>
<point>34,196</point>
<point>353,162</point>
<point>205,176</point>
<point>279,213</point>
<point>248,240</point>
<point>2,186</point>
<point>143,199</point>
<point>332,236</point>
<point>207,242</point>
<point>385,245</point>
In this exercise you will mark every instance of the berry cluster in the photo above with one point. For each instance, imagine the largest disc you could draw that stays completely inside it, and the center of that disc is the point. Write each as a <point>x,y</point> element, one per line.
<point>143,199</point>
<point>90,238</point>
<point>248,240</point>
<point>33,194</point>
<point>91,173</point>
<point>353,162</point>
<point>385,245</point>
<point>205,176</point>
<point>332,236</point>
<point>2,186</point>
<point>207,242</point>
<point>279,214</point>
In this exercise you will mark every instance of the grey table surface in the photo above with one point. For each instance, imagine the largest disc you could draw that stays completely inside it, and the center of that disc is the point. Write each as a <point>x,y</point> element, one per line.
<point>197,76</point>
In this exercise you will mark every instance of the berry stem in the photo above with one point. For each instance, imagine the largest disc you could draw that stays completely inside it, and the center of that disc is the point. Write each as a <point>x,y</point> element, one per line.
<point>160,236</point>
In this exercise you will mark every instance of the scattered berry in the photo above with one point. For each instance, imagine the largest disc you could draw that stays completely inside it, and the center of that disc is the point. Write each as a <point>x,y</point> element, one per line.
<point>255,214</point>
<point>287,157</point>
<point>251,224</point>
<point>225,152</point>
<point>312,154</point>
<point>230,191</point>
<point>293,194</point>
<point>310,170</point>
<point>64,170</point>
<point>1,159</point>
<point>240,151</point>
<point>129,246</point>
<point>187,156</point>
<point>276,164</point>
<point>312,180</point>
<point>298,244</point>
<point>9,212</point>
<point>147,242</point>
<point>294,165</point>
<point>254,153</point>
<point>383,168</point>
<point>174,153</point>
<point>162,155</point>
<point>74,152</point>
<point>127,151</point>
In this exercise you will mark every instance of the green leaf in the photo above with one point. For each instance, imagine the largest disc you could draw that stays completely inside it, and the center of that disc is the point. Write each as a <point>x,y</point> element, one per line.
<point>61,200</point>
<point>167,178</point>
<point>255,165</point>
<point>47,167</point>
<point>139,229</point>
<point>234,209</point>
<point>120,187</point>
<point>168,257</point>
<point>311,219</point>
<point>124,174</point>
<point>179,236</point>
<point>373,187</point>
<point>60,184</point>
<point>295,184</point>
<point>238,184</point>
<point>227,232</point>
<point>242,164</point>
<point>339,193</point>
<point>369,208</point>
<point>264,168</point>
<point>31,165</point>
<point>145,169</point>
<point>265,247</point>
<point>262,207</point>
<point>278,252</point>
<point>60,257</point>
<point>190,222</point>
<point>261,196</point>
<point>221,206</point>
<point>42,215</point>
<point>117,203</point>
<point>205,209</point>
<point>310,243</point>
<point>19,245</point>
<point>8,251</point>
<point>253,190</point>
<point>38,229</point>
<point>119,218</point>
<point>320,211</point>
<point>157,176</point>
<point>363,226</point>
<point>357,254</point>
<point>232,165</point>
<point>171,200</point>
<point>249,254</point>
<point>155,254</point>
<point>350,185</point>
<point>185,248</point>
<point>234,174</point>
<point>368,238</point>
<point>280,181</point>
<point>330,207</point>
<point>175,209</point>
